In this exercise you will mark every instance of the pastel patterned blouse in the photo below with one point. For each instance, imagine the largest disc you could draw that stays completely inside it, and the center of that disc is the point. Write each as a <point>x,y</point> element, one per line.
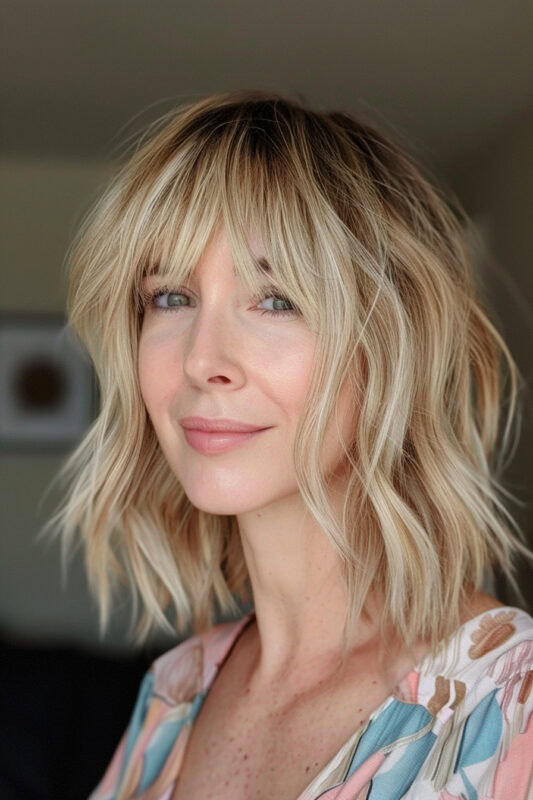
<point>457,727</point>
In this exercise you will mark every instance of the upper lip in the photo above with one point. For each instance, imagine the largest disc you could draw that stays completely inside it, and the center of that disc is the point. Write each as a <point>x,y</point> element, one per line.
<point>218,424</point>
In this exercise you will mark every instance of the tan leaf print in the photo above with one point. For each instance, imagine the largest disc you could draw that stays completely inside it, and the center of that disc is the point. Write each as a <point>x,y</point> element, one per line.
<point>492,631</point>
<point>441,696</point>
<point>525,689</point>
<point>460,693</point>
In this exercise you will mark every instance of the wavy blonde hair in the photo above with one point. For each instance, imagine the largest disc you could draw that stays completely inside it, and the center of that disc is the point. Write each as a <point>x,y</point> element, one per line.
<point>375,260</point>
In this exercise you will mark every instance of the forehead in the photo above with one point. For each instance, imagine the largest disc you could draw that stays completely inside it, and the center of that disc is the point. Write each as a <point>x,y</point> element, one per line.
<point>263,268</point>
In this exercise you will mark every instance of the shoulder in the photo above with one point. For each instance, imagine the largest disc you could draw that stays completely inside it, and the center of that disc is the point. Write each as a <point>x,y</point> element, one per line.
<point>176,675</point>
<point>481,695</point>
<point>167,701</point>
<point>488,647</point>
<point>475,737</point>
<point>497,646</point>
<point>187,669</point>
<point>498,664</point>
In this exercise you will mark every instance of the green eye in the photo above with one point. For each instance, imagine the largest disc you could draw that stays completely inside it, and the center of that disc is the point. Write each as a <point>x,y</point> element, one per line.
<point>175,295</point>
<point>175,301</point>
<point>278,300</point>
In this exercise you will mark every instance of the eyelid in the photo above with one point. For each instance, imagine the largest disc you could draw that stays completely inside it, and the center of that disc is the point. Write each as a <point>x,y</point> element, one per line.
<point>272,289</point>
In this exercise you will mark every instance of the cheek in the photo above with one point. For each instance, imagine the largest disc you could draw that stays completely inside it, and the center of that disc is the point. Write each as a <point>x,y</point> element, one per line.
<point>282,368</point>
<point>158,376</point>
<point>288,381</point>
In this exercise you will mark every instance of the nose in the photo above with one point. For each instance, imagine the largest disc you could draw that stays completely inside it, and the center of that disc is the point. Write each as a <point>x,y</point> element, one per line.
<point>213,354</point>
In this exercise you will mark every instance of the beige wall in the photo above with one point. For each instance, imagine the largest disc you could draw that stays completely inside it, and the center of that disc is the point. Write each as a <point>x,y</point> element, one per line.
<point>41,205</point>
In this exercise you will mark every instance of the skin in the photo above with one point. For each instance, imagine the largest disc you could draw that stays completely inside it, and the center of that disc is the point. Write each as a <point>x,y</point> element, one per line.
<point>218,356</point>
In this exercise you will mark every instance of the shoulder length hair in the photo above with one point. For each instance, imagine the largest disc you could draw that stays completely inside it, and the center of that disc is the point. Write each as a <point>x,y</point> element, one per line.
<point>374,258</point>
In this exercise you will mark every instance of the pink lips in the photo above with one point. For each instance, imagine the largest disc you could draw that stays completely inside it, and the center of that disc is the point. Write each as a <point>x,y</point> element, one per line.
<point>218,424</point>
<point>216,435</point>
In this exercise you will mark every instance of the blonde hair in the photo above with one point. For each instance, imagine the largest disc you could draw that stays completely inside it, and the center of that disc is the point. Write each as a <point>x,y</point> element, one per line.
<point>375,260</point>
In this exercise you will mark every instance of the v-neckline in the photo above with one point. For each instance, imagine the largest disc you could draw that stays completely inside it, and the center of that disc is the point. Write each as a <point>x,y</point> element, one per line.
<point>225,646</point>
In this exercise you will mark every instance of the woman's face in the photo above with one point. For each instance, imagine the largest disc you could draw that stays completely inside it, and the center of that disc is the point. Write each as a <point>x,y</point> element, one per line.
<point>216,355</point>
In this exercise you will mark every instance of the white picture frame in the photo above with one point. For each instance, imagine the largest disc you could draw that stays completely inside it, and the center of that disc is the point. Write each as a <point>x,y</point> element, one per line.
<point>48,392</point>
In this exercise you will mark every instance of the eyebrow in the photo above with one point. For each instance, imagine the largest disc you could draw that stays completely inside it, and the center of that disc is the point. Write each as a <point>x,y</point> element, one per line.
<point>264,268</point>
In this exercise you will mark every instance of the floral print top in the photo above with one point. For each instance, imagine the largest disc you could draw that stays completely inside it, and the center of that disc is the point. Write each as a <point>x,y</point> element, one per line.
<point>457,727</point>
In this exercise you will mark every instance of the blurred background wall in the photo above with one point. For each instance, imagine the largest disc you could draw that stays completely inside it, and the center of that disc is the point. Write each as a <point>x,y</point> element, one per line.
<point>451,82</point>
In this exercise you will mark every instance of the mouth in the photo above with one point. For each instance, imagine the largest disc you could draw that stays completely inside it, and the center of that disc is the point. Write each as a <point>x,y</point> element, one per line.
<point>211,442</point>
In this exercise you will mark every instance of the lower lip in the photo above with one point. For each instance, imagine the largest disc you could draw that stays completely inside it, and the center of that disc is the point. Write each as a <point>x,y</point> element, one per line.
<point>217,441</point>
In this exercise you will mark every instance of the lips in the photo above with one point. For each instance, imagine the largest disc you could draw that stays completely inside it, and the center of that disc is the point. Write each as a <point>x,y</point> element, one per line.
<point>218,425</point>
<point>210,435</point>
<point>210,442</point>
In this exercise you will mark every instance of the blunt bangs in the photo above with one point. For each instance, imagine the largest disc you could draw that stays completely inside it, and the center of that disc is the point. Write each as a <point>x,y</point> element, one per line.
<point>239,172</point>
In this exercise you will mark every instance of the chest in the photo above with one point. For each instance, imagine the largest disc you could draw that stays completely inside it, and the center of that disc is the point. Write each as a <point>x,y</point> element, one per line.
<point>238,751</point>
<point>242,765</point>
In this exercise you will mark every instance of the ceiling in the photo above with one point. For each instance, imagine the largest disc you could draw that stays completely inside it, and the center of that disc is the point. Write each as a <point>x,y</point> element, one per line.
<point>78,77</point>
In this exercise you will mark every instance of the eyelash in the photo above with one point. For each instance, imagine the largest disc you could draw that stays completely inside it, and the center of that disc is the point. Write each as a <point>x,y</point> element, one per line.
<point>148,299</point>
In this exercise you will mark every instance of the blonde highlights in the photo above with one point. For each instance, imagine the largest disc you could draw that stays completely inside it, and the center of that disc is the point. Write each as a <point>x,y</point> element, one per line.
<point>375,260</point>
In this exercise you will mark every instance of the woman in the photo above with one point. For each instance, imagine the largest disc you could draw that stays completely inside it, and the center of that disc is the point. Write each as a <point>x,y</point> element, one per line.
<point>300,404</point>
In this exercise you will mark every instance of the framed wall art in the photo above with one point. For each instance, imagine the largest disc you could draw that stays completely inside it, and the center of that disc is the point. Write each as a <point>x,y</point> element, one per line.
<point>48,393</point>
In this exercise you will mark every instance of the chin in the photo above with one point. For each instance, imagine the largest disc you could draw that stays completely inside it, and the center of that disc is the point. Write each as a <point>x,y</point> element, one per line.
<point>222,505</point>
